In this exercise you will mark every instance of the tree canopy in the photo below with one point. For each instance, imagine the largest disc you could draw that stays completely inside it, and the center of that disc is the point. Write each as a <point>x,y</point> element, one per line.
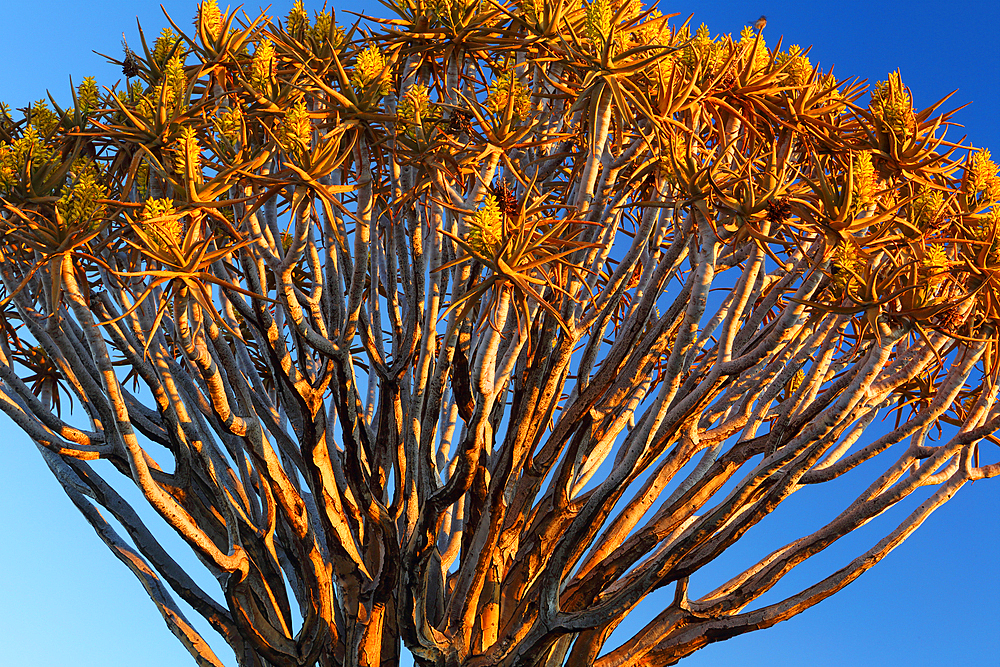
<point>471,328</point>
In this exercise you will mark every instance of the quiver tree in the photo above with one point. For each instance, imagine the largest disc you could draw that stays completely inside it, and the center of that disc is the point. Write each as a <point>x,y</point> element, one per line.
<point>470,329</point>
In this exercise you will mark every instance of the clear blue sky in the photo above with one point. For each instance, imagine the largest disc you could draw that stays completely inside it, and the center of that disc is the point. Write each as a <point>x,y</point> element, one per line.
<point>65,600</point>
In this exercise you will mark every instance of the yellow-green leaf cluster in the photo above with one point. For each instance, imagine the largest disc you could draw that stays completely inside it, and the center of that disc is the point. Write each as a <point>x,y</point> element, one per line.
<point>370,72</point>
<point>761,56</point>
<point>986,229</point>
<point>175,80</point>
<point>703,50</point>
<point>158,220</point>
<point>795,65</point>
<point>297,21</point>
<point>131,97</point>
<point>187,154</point>
<point>163,46</point>
<point>324,29</point>
<point>529,10</point>
<point>457,14</point>
<point>600,22</point>
<point>28,150</point>
<point>983,178</point>
<point>142,180</point>
<point>835,100</point>
<point>845,265</point>
<point>485,233</point>
<point>172,89</point>
<point>933,268</point>
<point>210,17</point>
<point>652,29</point>
<point>599,15</point>
<point>865,180</point>
<point>79,205</point>
<point>415,109</point>
<point>935,260</point>
<point>88,97</point>
<point>892,104</point>
<point>262,64</point>
<point>295,132</point>
<point>926,208</point>
<point>229,124</point>
<point>42,118</point>
<point>508,90</point>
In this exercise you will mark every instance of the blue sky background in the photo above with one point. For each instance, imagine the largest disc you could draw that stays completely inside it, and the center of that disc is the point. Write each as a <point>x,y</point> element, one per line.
<point>65,600</point>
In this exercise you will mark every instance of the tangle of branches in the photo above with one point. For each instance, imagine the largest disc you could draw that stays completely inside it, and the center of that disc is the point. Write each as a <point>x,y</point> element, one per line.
<point>466,331</point>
